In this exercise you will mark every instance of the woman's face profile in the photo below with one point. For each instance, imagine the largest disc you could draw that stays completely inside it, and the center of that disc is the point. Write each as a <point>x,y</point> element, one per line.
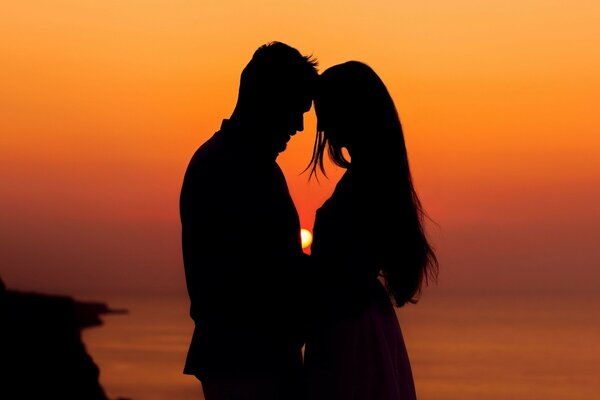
<point>333,122</point>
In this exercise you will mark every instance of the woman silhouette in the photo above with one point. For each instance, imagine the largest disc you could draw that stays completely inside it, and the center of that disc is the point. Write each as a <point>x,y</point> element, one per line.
<point>369,248</point>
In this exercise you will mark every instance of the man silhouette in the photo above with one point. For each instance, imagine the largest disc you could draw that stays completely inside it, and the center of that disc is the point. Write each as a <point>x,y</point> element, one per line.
<point>241,237</point>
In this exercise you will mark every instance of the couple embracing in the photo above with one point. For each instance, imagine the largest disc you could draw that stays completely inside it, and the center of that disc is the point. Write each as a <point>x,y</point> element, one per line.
<point>257,300</point>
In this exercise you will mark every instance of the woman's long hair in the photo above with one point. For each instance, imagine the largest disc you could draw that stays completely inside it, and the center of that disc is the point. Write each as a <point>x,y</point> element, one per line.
<point>357,116</point>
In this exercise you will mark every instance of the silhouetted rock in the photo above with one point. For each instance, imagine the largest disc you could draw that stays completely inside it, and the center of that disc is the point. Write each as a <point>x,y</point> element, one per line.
<point>42,355</point>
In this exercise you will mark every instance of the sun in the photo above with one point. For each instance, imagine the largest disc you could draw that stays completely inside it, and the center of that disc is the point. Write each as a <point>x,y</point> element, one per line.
<point>306,237</point>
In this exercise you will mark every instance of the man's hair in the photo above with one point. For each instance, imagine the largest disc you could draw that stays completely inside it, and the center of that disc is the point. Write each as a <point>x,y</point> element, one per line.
<point>276,69</point>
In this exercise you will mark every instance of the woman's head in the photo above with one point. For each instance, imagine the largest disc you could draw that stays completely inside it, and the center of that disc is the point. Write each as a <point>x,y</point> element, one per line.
<point>355,111</point>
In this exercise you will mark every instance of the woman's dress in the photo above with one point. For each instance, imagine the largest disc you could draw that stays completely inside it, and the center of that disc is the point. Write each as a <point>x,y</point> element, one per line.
<point>355,349</point>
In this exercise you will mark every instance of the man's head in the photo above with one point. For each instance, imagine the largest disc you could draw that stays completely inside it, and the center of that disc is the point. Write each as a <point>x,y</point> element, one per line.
<point>276,89</point>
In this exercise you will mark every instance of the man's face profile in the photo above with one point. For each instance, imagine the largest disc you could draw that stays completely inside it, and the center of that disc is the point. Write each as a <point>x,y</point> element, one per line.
<point>286,119</point>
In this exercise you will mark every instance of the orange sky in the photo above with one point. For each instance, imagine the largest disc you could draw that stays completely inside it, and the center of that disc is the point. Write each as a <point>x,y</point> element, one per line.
<point>103,102</point>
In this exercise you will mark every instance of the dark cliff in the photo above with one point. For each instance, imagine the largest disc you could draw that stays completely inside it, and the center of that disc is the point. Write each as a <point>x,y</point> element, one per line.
<point>42,355</point>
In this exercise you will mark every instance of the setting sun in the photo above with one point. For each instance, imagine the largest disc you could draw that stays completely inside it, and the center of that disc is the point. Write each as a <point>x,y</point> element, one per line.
<point>306,237</point>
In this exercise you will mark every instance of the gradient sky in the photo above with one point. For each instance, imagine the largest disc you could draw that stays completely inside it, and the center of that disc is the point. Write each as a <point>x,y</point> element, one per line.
<point>102,103</point>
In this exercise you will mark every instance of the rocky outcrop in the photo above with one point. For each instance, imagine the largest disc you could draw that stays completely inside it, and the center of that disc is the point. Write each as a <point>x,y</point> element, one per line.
<point>42,355</point>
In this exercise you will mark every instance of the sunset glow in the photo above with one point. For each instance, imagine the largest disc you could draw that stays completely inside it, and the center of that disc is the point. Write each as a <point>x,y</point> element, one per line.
<point>306,237</point>
<point>103,104</point>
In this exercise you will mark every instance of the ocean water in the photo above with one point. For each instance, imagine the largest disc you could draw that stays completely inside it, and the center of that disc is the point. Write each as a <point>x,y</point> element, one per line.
<point>462,346</point>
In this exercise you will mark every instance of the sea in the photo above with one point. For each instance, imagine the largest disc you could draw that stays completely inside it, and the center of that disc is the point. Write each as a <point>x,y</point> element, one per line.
<point>462,346</point>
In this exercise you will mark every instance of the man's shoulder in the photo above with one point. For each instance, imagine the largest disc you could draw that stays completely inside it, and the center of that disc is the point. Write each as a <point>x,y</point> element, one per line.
<point>209,150</point>
<point>208,154</point>
<point>200,172</point>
